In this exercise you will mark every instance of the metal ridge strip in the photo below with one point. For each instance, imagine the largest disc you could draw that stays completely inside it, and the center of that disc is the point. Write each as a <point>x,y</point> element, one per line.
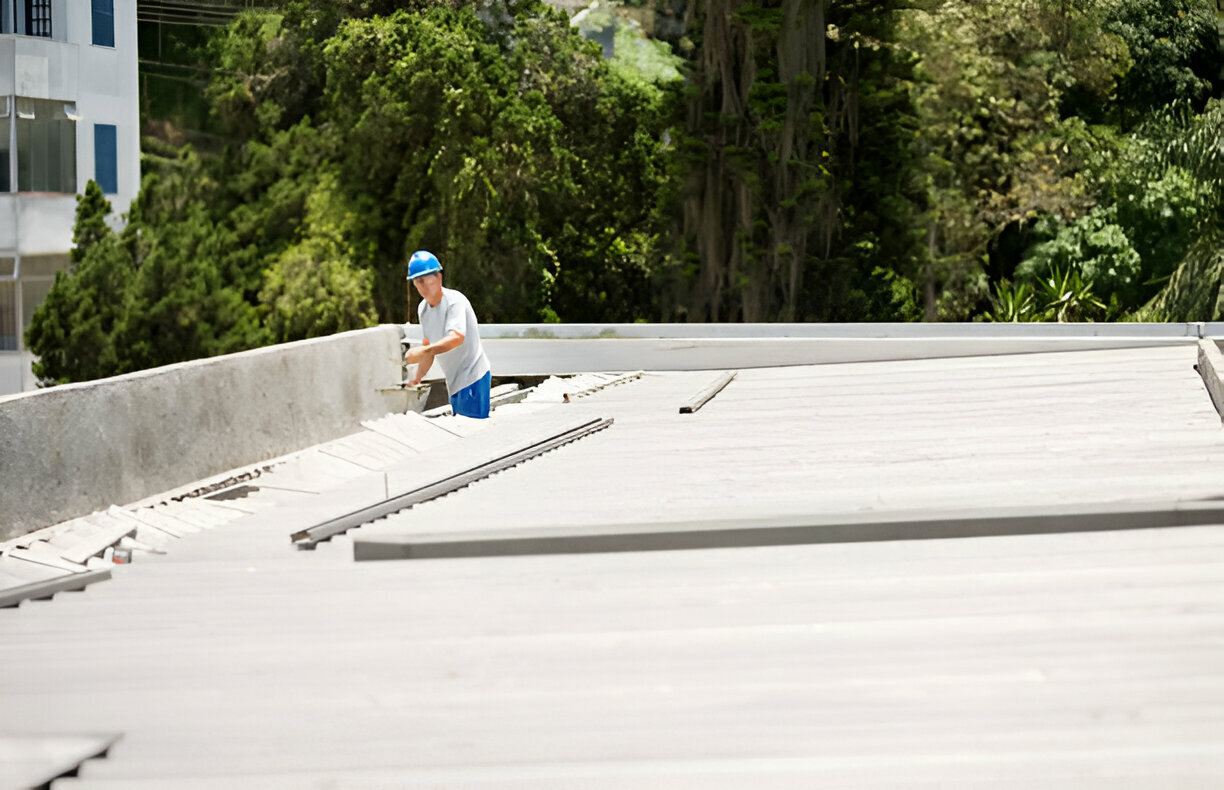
<point>45,589</point>
<point>709,391</point>
<point>1211,367</point>
<point>309,537</point>
<point>787,531</point>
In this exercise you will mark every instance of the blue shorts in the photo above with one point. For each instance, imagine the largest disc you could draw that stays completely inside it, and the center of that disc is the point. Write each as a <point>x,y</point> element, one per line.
<point>473,400</point>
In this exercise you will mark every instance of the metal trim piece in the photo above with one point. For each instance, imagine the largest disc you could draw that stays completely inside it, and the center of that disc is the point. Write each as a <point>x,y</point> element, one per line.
<point>311,536</point>
<point>45,589</point>
<point>709,391</point>
<point>787,531</point>
<point>1211,367</point>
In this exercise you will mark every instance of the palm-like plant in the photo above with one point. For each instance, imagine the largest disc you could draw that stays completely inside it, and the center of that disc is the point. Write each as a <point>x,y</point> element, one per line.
<point>1197,145</point>
<point>1068,297</point>
<point>1012,304</point>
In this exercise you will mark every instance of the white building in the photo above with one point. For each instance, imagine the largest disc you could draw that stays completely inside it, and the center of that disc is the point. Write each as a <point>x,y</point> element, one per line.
<point>68,113</point>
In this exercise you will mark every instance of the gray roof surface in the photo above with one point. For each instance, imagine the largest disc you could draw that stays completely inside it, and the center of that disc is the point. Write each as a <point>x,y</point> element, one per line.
<point>1078,660</point>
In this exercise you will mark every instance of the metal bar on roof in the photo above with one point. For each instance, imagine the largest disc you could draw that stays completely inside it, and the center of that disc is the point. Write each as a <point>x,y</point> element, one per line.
<point>1211,367</point>
<point>309,537</point>
<point>789,531</point>
<point>45,589</point>
<point>707,392</point>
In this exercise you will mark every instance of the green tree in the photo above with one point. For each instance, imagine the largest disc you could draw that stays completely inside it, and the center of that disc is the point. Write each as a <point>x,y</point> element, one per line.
<point>1175,48</point>
<point>313,288</point>
<point>181,307</point>
<point>72,333</point>
<point>1097,249</point>
<point>1195,144</point>
<point>799,158</point>
<point>90,226</point>
<point>999,152</point>
<point>505,145</point>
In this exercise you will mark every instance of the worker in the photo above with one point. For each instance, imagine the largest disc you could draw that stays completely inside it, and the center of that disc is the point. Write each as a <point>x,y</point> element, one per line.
<point>452,335</point>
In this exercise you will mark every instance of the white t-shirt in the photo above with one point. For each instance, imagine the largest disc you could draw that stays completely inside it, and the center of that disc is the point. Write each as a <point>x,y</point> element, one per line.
<point>465,365</point>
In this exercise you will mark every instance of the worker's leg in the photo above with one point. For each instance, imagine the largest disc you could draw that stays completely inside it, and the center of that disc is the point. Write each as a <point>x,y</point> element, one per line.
<point>473,400</point>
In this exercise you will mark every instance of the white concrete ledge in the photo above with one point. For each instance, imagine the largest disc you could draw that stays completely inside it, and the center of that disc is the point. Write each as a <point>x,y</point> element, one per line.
<point>542,357</point>
<point>69,450</point>
<point>892,331</point>
<point>554,349</point>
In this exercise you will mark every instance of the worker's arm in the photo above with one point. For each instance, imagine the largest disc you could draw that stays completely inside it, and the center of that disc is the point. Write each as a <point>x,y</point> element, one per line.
<point>423,355</point>
<point>421,369</point>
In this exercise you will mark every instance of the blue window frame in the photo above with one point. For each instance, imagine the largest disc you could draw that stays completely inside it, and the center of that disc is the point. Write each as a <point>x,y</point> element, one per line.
<point>104,23</point>
<point>106,158</point>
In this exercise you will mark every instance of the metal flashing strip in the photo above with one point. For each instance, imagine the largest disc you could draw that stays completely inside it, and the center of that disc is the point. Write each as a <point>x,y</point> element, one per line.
<point>1211,367</point>
<point>786,531</point>
<point>709,391</point>
<point>459,469</point>
<point>45,589</point>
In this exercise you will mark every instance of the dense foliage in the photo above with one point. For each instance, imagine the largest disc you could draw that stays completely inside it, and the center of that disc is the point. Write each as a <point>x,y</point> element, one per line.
<point>760,160</point>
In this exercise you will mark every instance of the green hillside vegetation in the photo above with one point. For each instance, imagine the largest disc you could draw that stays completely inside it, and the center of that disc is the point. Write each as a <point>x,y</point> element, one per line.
<point>794,160</point>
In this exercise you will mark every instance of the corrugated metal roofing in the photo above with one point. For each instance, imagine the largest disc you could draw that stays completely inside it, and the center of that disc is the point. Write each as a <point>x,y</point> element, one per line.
<point>1067,660</point>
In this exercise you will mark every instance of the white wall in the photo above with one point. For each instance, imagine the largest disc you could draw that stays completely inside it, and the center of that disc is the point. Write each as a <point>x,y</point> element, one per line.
<point>109,94</point>
<point>44,224</point>
<point>15,373</point>
<point>103,83</point>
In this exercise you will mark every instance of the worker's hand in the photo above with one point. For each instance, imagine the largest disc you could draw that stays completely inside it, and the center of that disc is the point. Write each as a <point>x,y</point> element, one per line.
<point>414,382</point>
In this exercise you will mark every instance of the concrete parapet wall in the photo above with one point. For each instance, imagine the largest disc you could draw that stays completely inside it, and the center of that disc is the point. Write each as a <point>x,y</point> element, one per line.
<point>69,450</point>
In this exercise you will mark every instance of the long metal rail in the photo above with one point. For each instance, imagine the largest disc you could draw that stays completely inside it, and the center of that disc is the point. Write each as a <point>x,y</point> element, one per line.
<point>787,531</point>
<point>45,589</point>
<point>309,537</point>
<point>709,391</point>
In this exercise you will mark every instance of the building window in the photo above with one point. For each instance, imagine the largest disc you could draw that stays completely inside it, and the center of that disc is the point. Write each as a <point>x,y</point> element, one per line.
<point>46,147</point>
<point>104,23</point>
<point>38,18</point>
<point>8,309</point>
<point>8,305</point>
<point>106,163</point>
<point>22,290</point>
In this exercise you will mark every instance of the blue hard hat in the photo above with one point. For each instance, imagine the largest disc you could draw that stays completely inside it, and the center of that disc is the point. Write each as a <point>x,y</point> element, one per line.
<point>421,263</point>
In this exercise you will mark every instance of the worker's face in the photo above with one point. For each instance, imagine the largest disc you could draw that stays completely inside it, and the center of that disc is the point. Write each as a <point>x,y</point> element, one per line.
<point>429,286</point>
